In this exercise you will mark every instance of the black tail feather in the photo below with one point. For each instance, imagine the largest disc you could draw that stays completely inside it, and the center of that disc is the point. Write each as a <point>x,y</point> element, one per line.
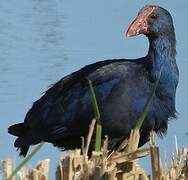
<point>23,150</point>
<point>17,129</point>
<point>21,146</point>
<point>20,130</point>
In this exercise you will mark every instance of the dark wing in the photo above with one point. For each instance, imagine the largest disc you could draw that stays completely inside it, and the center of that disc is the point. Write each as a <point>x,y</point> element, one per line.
<point>36,113</point>
<point>68,113</point>
<point>65,110</point>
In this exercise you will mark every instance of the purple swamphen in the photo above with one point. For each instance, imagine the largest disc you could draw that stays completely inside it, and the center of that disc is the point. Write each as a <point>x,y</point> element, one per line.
<point>122,86</point>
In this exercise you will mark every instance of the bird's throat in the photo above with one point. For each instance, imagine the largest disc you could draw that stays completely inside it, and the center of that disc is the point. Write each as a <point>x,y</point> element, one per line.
<point>162,49</point>
<point>162,52</point>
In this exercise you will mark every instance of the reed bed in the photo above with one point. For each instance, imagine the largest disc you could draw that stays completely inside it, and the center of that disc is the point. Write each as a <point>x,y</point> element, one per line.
<point>103,165</point>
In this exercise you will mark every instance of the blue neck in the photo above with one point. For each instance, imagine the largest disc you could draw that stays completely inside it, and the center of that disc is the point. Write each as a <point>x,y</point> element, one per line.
<point>162,52</point>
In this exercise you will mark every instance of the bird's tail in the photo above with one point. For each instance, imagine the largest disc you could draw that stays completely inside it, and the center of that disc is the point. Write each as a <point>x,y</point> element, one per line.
<point>21,146</point>
<point>20,131</point>
<point>17,129</point>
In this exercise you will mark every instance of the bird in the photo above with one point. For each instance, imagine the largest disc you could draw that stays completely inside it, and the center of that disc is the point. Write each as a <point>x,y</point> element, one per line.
<point>122,86</point>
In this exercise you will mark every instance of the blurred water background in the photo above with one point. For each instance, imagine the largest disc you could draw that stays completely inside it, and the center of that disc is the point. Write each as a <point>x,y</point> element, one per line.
<point>43,40</point>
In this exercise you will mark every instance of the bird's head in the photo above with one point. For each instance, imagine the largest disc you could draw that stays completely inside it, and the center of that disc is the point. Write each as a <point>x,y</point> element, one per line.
<point>151,21</point>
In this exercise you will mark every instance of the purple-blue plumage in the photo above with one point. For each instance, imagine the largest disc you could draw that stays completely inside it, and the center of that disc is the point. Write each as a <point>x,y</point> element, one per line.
<point>63,114</point>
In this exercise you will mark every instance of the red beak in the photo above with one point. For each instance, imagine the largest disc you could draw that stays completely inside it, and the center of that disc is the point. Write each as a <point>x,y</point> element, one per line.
<point>138,26</point>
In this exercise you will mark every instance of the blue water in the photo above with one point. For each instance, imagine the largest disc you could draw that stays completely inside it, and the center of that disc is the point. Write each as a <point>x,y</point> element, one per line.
<point>43,40</point>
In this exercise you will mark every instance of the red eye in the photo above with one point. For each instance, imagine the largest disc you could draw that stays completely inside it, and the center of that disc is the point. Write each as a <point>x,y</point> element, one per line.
<point>154,16</point>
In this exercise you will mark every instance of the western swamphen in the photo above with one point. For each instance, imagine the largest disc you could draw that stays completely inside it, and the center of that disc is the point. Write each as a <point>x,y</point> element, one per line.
<point>122,86</point>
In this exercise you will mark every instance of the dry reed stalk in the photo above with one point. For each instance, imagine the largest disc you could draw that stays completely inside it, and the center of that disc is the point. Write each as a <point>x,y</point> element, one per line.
<point>71,166</point>
<point>23,174</point>
<point>139,153</point>
<point>88,140</point>
<point>155,162</point>
<point>179,164</point>
<point>136,173</point>
<point>185,168</point>
<point>122,145</point>
<point>42,169</point>
<point>133,140</point>
<point>7,166</point>
<point>39,172</point>
<point>155,158</point>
